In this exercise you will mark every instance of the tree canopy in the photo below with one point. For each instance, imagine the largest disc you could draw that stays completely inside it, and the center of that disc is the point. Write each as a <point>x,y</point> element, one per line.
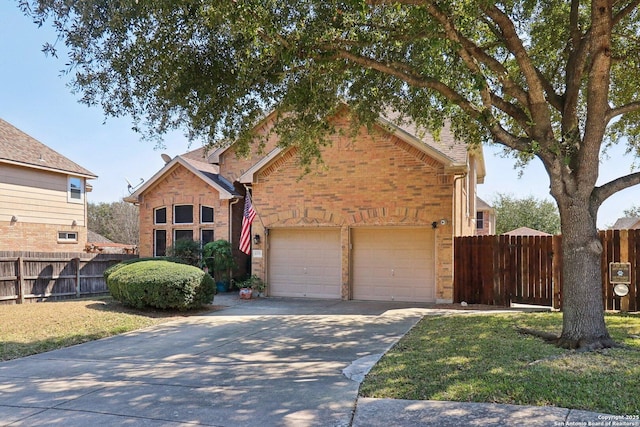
<point>552,79</point>
<point>117,221</point>
<point>512,212</point>
<point>632,212</point>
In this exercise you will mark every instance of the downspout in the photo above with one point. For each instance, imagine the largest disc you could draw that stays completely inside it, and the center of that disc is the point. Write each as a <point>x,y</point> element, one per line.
<point>457,223</point>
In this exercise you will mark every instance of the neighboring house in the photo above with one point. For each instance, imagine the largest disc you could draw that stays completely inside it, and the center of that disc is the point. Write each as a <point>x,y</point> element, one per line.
<point>375,222</point>
<point>526,231</point>
<point>43,205</point>
<point>485,218</point>
<point>97,243</point>
<point>628,223</point>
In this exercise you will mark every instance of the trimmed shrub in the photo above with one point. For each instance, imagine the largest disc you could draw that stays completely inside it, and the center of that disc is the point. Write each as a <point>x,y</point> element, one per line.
<point>121,264</point>
<point>161,284</point>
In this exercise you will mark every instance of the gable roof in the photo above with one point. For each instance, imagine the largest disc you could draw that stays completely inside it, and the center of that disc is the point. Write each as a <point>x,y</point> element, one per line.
<point>18,148</point>
<point>205,171</point>
<point>481,205</point>
<point>627,223</point>
<point>453,154</point>
<point>94,237</point>
<point>526,231</point>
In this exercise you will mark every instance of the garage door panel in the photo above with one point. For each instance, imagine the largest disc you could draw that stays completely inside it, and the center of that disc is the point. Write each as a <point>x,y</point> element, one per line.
<point>305,263</point>
<point>394,264</point>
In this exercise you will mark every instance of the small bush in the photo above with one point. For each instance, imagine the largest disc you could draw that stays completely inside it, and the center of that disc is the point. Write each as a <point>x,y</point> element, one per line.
<point>161,284</point>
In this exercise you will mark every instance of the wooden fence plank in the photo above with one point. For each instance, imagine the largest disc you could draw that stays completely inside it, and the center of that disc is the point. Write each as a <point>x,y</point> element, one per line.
<point>500,270</point>
<point>28,276</point>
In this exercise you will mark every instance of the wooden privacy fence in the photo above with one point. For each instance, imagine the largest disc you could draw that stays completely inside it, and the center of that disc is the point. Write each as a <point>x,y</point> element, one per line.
<point>499,270</point>
<point>36,276</point>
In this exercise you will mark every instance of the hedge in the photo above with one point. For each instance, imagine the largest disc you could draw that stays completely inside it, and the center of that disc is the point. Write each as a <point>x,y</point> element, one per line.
<point>121,264</point>
<point>161,284</point>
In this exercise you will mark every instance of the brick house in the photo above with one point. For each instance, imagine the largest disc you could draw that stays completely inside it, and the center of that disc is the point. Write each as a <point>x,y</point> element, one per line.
<point>485,218</point>
<point>375,221</point>
<point>43,205</point>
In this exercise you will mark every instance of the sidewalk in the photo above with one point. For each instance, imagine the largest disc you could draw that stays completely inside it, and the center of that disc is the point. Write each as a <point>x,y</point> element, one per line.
<point>391,412</point>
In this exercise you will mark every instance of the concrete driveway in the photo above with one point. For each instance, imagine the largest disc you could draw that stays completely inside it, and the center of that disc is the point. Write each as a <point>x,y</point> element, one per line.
<point>268,362</point>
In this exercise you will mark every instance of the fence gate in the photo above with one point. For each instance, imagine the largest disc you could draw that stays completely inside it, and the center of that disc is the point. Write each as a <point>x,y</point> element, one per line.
<point>499,270</point>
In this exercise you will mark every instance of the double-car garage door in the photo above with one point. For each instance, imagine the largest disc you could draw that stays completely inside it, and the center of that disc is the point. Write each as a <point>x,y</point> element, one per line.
<point>386,264</point>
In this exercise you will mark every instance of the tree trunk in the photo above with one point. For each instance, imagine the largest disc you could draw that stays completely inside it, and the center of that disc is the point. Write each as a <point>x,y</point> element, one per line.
<point>583,310</point>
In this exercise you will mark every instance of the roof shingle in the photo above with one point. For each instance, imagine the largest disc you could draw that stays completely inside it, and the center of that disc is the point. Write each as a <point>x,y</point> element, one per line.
<point>19,148</point>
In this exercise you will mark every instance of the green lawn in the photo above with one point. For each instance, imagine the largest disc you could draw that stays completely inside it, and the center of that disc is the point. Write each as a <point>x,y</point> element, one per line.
<point>482,358</point>
<point>35,328</point>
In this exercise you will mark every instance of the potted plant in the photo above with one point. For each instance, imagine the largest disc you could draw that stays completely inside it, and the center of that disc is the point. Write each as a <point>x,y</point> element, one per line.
<point>219,260</point>
<point>254,285</point>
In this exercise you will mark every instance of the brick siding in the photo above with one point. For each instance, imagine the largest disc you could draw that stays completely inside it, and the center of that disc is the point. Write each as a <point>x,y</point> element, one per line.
<point>374,179</point>
<point>34,237</point>
<point>181,187</point>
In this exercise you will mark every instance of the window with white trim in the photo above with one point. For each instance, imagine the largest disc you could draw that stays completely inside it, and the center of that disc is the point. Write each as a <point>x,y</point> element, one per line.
<point>160,215</point>
<point>182,235</point>
<point>159,242</point>
<point>206,215</point>
<point>480,220</point>
<point>67,236</point>
<point>75,189</point>
<point>183,214</point>
<point>206,236</point>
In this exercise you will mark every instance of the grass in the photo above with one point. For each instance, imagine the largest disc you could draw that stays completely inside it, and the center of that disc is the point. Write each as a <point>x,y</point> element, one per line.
<point>482,358</point>
<point>27,329</point>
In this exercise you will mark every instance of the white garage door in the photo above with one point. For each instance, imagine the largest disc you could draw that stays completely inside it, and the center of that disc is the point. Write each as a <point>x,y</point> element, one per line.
<point>394,264</point>
<point>304,263</point>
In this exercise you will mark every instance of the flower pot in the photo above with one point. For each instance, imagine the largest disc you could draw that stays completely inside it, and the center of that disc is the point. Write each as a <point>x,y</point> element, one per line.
<point>222,286</point>
<point>245,293</point>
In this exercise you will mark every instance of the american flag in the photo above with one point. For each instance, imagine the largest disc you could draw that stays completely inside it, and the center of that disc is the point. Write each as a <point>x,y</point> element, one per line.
<point>247,219</point>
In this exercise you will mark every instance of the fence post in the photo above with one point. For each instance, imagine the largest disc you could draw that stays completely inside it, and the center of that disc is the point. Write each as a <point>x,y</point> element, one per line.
<point>557,272</point>
<point>624,257</point>
<point>20,281</point>
<point>77,264</point>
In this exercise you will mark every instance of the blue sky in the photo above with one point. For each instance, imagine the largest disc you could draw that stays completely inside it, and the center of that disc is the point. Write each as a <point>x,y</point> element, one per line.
<point>35,98</point>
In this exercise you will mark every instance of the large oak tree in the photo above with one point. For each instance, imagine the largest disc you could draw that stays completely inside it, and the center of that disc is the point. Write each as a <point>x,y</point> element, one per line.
<point>552,79</point>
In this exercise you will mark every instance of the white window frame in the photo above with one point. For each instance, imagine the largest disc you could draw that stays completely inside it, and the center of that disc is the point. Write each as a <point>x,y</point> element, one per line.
<point>202,230</point>
<point>70,197</point>
<point>174,215</point>
<point>176,230</point>
<point>480,220</point>
<point>155,242</point>
<point>68,236</point>
<point>213,214</point>
<point>165,215</point>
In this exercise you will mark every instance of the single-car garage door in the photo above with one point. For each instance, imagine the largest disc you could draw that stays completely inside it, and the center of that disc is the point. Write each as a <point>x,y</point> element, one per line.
<point>393,264</point>
<point>305,263</point>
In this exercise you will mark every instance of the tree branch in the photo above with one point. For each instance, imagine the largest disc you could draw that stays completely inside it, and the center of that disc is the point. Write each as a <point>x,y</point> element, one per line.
<point>624,109</point>
<point>538,106</point>
<point>603,192</point>
<point>405,75</point>
<point>501,135</point>
<point>625,11</point>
